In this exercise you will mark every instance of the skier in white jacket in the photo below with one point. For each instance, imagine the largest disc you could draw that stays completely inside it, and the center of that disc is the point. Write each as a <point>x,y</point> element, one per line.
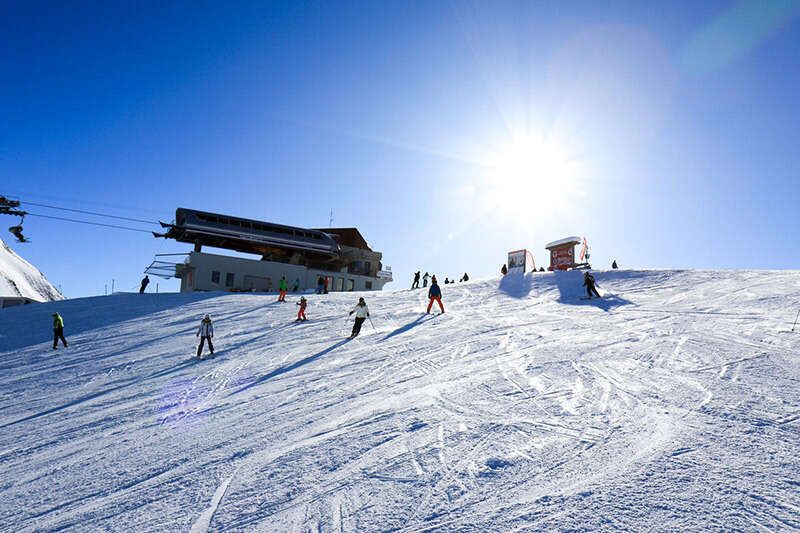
<point>205,332</point>
<point>362,312</point>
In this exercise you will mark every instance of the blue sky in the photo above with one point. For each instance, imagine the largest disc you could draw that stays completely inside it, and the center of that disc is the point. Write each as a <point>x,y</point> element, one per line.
<point>449,133</point>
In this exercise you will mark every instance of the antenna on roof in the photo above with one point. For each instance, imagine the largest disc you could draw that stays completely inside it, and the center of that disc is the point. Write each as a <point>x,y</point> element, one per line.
<point>330,222</point>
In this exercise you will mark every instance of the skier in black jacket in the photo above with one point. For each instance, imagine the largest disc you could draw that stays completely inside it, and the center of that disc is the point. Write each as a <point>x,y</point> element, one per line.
<point>589,283</point>
<point>415,285</point>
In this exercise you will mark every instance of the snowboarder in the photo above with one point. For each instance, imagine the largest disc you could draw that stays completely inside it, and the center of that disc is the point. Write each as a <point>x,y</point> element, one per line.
<point>435,295</point>
<point>425,279</point>
<point>362,312</point>
<point>282,288</point>
<point>296,286</point>
<point>465,277</point>
<point>589,283</point>
<point>504,269</point>
<point>58,331</point>
<point>301,314</point>
<point>415,285</point>
<point>205,332</point>
<point>145,283</point>
<point>614,264</point>
<point>320,285</point>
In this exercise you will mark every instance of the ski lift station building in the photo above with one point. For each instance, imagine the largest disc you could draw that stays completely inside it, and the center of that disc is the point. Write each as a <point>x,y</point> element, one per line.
<point>341,255</point>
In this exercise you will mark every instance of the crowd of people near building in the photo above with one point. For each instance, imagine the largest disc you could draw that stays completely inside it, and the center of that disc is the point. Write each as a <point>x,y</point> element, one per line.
<point>205,332</point>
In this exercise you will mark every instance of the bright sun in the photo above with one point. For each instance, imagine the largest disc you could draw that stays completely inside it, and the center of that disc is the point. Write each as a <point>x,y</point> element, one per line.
<point>529,169</point>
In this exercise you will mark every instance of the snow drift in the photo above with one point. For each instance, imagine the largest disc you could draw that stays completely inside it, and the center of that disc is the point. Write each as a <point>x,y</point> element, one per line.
<point>18,278</point>
<point>672,404</point>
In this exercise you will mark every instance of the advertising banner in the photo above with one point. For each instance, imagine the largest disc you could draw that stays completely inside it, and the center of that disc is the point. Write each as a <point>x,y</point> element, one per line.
<point>516,261</point>
<point>562,258</point>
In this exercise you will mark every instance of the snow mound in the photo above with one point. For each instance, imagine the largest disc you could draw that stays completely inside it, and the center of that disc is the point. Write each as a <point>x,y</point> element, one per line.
<point>670,404</point>
<point>18,278</point>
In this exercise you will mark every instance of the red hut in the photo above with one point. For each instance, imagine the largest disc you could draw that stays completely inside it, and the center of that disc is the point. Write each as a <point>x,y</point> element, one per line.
<point>562,254</point>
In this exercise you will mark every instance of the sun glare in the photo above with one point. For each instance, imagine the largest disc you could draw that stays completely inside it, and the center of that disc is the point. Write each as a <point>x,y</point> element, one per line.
<point>531,168</point>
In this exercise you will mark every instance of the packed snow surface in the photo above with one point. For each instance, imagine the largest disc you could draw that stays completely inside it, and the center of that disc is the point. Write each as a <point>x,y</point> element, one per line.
<point>18,278</point>
<point>672,404</point>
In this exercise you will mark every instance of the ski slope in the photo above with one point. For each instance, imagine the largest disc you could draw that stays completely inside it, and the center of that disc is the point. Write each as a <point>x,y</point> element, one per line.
<point>671,404</point>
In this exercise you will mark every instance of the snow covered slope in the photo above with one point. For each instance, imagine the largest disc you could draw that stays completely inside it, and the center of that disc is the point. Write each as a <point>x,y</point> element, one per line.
<point>20,278</point>
<point>672,404</point>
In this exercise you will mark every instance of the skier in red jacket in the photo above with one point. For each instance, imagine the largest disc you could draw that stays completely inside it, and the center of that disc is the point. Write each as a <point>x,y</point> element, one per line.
<point>301,314</point>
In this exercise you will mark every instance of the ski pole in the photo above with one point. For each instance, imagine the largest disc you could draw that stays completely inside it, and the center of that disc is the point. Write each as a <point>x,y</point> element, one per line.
<point>371,324</point>
<point>795,319</point>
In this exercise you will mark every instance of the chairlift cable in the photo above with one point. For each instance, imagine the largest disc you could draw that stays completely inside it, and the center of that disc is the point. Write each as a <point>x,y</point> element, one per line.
<point>94,213</point>
<point>89,222</point>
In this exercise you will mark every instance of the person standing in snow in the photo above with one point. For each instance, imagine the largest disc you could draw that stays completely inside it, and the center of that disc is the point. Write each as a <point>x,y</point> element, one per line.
<point>415,285</point>
<point>301,314</point>
<point>145,283</point>
<point>614,264</point>
<point>205,332</point>
<point>589,283</point>
<point>504,269</point>
<point>320,284</point>
<point>465,277</point>
<point>282,288</point>
<point>435,295</point>
<point>362,312</point>
<point>58,331</point>
<point>425,279</point>
<point>296,286</point>
<point>325,285</point>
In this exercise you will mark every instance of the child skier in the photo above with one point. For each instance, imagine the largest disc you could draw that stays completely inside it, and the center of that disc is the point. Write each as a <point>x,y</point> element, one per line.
<point>301,314</point>
<point>205,332</point>
<point>362,312</point>
<point>58,331</point>
<point>588,282</point>
<point>435,295</point>
<point>282,288</point>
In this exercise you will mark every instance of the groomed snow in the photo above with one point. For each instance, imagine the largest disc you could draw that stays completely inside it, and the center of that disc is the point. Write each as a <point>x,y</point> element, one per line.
<point>671,404</point>
<point>18,278</point>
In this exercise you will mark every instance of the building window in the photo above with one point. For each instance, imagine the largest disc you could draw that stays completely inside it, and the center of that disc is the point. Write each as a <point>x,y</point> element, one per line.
<point>351,285</point>
<point>229,279</point>
<point>215,277</point>
<point>367,269</point>
<point>368,285</point>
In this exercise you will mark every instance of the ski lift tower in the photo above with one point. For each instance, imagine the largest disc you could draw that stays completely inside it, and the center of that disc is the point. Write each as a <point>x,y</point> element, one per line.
<point>562,254</point>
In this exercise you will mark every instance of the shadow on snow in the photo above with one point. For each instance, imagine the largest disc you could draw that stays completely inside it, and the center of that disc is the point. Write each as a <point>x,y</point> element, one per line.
<point>288,368</point>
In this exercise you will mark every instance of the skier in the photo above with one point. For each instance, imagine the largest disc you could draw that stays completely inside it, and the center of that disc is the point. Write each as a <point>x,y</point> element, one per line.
<point>362,312</point>
<point>504,269</point>
<point>145,283</point>
<point>415,285</point>
<point>425,279</point>
<point>205,332</point>
<point>282,288</point>
<point>465,277</point>
<point>435,295</point>
<point>301,314</point>
<point>588,282</point>
<point>296,286</point>
<point>614,264</point>
<point>58,331</point>
<point>320,285</point>
<point>325,285</point>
